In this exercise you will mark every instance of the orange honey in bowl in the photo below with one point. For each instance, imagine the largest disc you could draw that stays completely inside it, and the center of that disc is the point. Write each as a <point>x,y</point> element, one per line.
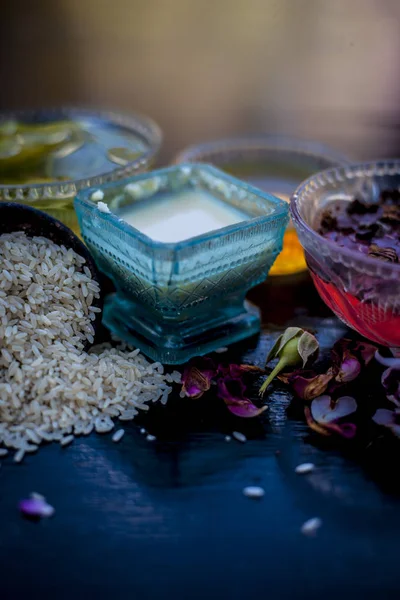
<point>291,260</point>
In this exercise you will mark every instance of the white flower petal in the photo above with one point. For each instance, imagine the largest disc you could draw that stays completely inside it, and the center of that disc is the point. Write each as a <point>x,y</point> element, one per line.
<point>395,429</point>
<point>323,413</point>
<point>387,361</point>
<point>383,416</point>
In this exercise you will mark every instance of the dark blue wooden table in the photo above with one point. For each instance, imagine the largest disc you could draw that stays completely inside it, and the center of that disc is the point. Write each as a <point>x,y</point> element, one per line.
<point>167,519</point>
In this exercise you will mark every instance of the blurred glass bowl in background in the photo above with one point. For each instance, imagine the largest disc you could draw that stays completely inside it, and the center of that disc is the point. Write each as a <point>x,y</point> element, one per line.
<point>276,165</point>
<point>47,156</point>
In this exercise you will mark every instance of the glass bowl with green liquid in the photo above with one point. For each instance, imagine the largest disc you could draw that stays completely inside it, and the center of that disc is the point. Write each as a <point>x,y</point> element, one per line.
<point>47,156</point>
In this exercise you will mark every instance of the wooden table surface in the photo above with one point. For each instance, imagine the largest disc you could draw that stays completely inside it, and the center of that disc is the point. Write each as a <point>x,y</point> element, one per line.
<point>168,519</point>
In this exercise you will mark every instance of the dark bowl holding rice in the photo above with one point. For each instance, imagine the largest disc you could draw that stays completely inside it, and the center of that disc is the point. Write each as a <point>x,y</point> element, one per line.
<point>16,217</point>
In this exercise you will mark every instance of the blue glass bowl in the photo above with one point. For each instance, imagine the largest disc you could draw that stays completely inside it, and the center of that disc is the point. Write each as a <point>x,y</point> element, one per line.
<point>179,300</point>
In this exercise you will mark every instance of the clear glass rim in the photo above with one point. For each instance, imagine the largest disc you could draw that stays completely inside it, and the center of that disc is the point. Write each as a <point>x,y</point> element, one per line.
<point>142,124</point>
<point>281,209</point>
<point>262,143</point>
<point>364,170</point>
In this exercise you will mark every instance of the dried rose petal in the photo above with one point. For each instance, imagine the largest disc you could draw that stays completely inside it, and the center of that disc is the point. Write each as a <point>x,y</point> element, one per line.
<point>385,417</point>
<point>391,382</point>
<point>365,350</point>
<point>246,409</point>
<point>357,207</point>
<point>197,377</point>
<point>391,214</point>
<point>231,391</point>
<point>36,506</point>
<point>368,231</point>
<point>238,371</point>
<point>313,424</point>
<point>384,254</point>
<point>306,384</point>
<point>396,430</point>
<point>346,430</point>
<point>349,369</point>
<point>324,410</point>
<point>348,358</point>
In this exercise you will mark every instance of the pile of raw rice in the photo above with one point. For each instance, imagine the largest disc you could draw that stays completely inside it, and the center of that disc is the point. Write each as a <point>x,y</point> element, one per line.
<point>50,388</point>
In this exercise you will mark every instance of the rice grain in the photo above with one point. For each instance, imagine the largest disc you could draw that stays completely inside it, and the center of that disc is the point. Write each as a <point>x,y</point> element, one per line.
<point>118,435</point>
<point>19,456</point>
<point>66,440</point>
<point>50,388</point>
<point>240,437</point>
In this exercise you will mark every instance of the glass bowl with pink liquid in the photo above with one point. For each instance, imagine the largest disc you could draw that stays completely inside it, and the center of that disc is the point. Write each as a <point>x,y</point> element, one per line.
<point>362,291</point>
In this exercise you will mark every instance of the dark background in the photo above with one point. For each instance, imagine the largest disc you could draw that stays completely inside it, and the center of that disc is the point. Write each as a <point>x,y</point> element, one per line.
<point>322,69</point>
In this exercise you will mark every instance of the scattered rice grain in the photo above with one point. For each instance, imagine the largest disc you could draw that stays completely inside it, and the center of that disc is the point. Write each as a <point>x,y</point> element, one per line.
<point>304,468</point>
<point>253,491</point>
<point>118,435</point>
<point>311,526</point>
<point>103,207</point>
<point>19,455</point>
<point>97,195</point>
<point>66,440</point>
<point>240,437</point>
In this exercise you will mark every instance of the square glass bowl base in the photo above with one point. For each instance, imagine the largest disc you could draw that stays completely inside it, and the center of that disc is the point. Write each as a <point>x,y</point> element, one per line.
<point>231,322</point>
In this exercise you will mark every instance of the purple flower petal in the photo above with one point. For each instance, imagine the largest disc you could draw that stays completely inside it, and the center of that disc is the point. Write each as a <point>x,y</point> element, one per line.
<point>36,507</point>
<point>238,371</point>
<point>396,430</point>
<point>246,409</point>
<point>349,369</point>
<point>197,377</point>
<point>365,351</point>
<point>306,384</point>
<point>324,411</point>
<point>232,391</point>
<point>346,430</point>
<point>314,425</point>
<point>348,358</point>
<point>391,382</point>
<point>385,417</point>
